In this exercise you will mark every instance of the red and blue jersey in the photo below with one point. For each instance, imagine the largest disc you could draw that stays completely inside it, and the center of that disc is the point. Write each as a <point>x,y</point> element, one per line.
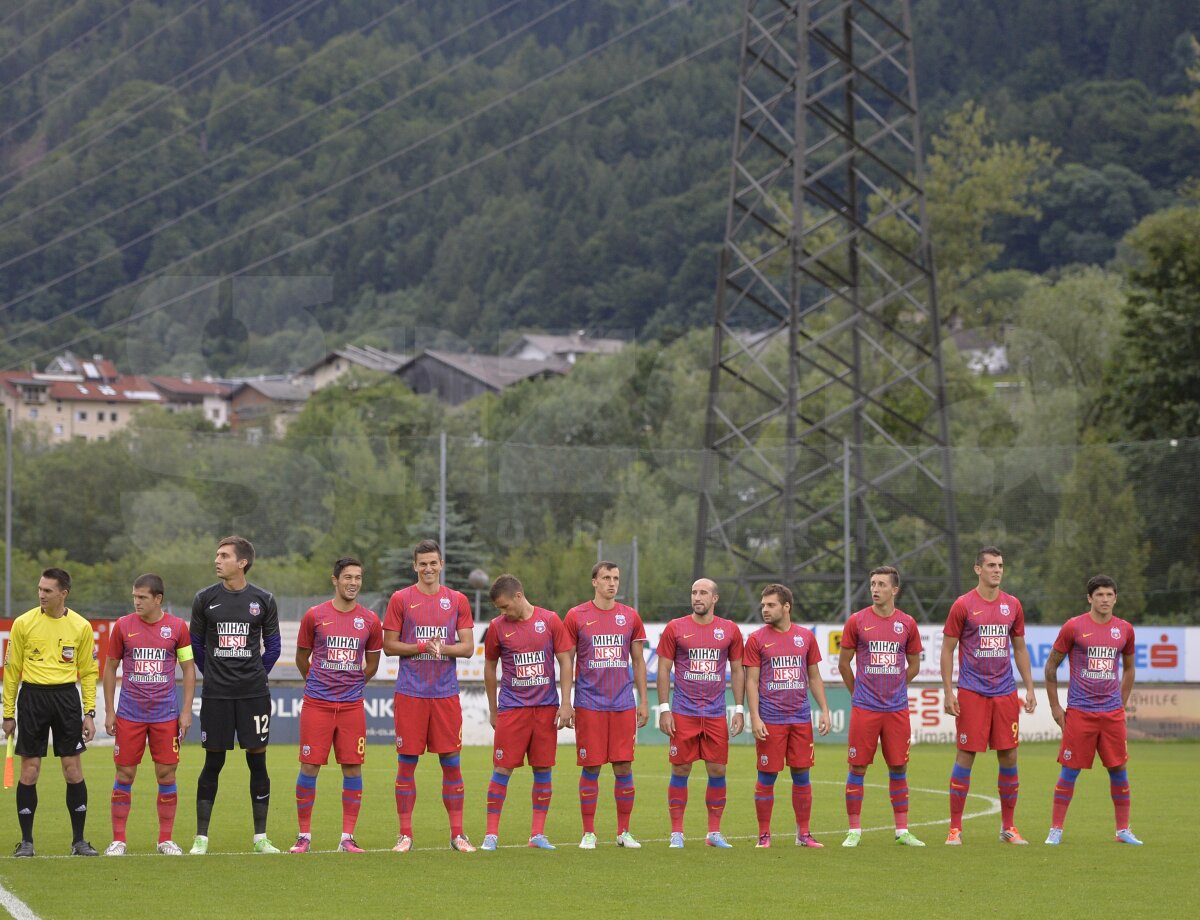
<point>1094,652</point>
<point>701,653</point>
<point>339,642</point>
<point>783,660</point>
<point>881,645</point>
<point>603,641</point>
<point>148,653</point>
<point>417,616</point>
<point>525,650</point>
<point>984,629</point>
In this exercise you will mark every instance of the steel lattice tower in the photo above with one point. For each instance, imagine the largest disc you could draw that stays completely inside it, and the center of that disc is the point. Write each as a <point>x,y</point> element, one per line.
<point>826,435</point>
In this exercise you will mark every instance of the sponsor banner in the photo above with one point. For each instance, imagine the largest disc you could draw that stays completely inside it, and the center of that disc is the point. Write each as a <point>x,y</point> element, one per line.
<point>1163,713</point>
<point>1164,654</point>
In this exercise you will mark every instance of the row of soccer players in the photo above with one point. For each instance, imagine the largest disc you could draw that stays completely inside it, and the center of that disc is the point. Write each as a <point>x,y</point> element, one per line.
<point>234,639</point>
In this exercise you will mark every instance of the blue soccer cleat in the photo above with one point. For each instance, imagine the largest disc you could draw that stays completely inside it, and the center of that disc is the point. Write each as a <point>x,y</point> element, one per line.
<point>1054,838</point>
<point>676,840</point>
<point>1125,835</point>
<point>717,839</point>
<point>539,842</point>
<point>490,842</point>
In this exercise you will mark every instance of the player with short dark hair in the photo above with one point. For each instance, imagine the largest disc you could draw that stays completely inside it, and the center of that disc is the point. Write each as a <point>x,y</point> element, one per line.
<point>428,626</point>
<point>147,644</point>
<point>235,639</point>
<point>50,649</point>
<point>1094,720</point>
<point>782,662</point>
<point>337,652</point>
<point>698,647</point>
<point>525,712</point>
<point>990,625</point>
<point>885,646</point>
<point>609,641</point>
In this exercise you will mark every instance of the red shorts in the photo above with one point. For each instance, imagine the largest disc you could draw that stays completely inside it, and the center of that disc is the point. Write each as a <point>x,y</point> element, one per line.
<point>604,737</point>
<point>987,721</point>
<point>867,727</point>
<point>342,726</point>
<point>700,738</point>
<point>422,724</point>
<point>790,744</point>
<point>1084,733</point>
<point>131,742</point>
<point>530,731</point>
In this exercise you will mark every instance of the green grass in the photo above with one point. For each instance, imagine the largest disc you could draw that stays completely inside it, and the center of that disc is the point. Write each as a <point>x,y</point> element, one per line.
<point>982,877</point>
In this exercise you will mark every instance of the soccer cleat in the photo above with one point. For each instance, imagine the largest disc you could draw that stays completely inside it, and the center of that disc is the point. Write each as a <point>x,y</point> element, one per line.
<point>403,844</point>
<point>302,845</point>
<point>263,845</point>
<point>626,840</point>
<point>764,842</point>
<point>1013,836</point>
<point>199,846</point>
<point>462,844</point>
<point>24,848</point>
<point>954,838</point>
<point>906,839</point>
<point>588,842</point>
<point>717,839</point>
<point>83,848</point>
<point>539,842</point>
<point>1054,838</point>
<point>852,838</point>
<point>1125,835</point>
<point>116,848</point>
<point>349,845</point>
<point>676,841</point>
<point>490,842</point>
<point>170,848</point>
<point>808,840</point>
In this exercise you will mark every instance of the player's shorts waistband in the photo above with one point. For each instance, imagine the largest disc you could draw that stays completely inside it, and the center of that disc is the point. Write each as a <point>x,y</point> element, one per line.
<point>46,688</point>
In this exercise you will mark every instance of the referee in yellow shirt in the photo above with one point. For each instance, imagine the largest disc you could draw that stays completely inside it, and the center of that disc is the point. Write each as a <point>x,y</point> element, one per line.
<point>49,649</point>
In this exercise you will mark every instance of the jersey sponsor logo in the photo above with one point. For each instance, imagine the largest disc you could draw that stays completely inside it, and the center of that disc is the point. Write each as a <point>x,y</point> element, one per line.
<point>976,613</point>
<point>359,623</point>
<point>444,603</point>
<point>165,632</point>
<point>539,627</point>
<point>718,634</point>
<point>868,628</point>
<point>620,619</point>
<point>1004,611</point>
<point>255,608</point>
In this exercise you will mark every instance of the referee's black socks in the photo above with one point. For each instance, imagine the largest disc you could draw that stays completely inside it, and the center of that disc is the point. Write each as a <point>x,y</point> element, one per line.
<point>77,806</point>
<point>26,806</point>
<point>260,790</point>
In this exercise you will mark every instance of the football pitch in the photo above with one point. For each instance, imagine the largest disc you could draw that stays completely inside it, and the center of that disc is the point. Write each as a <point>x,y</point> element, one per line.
<point>1088,875</point>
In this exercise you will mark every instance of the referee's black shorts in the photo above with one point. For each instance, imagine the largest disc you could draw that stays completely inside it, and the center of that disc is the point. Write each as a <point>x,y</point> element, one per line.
<point>45,707</point>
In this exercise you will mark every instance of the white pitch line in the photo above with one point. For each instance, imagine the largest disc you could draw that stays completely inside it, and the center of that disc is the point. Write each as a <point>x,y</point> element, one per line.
<point>17,908</point>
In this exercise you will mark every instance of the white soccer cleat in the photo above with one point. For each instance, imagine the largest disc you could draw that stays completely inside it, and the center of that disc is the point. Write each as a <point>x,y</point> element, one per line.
<point>170,848</point>
<point>116,848</point>
<point>588,842</point>
<point>626,840</point>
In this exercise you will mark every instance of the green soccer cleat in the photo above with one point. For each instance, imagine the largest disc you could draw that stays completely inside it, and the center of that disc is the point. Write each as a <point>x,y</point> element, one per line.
<point>906,839</point>
<point>588,842</point>
<point>626,840</point>
<point>853,838</point>
<point>263,845</point>
<point>199,846</point>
